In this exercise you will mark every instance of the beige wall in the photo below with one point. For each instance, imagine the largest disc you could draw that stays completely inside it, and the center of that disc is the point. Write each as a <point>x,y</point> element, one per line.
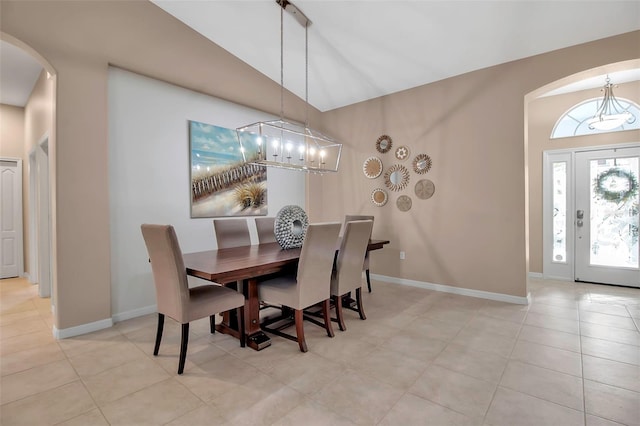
<point>471,234</point>
<point>11,131</point>
<point>39,113</point>
<point>543,114</point>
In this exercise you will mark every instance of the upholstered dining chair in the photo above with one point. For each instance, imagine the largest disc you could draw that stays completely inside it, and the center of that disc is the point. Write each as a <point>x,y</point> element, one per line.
<point>310,284</point>
<point>266,233</point>
<point>347,272</point>
<point>231,233</point>
<point>175,299</point>
<point>365,266</point>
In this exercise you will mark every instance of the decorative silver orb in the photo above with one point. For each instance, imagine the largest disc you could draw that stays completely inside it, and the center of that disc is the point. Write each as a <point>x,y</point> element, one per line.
<point>290,226</point>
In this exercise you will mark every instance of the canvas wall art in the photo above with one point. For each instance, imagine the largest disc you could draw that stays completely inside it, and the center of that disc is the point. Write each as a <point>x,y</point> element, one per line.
<point>222,183</point>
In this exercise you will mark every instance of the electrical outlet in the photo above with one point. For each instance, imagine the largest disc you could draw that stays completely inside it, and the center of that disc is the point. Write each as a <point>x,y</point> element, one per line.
<point>401,255</point>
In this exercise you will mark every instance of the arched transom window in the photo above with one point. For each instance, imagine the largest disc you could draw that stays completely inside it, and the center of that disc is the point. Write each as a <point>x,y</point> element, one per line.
<point>574,121</point>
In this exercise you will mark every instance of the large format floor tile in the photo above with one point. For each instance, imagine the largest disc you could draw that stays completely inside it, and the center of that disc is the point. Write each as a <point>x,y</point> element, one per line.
<point>49,407</point>
<point>163,402</point>
<point>413,410</point>
<point>548,337</point>
<point>612,373</point>
<point>612,403</point>
<point>549,357</point>
<point>559,388</point>
<point>421,357</point>
<point>359,398</point>
<point>35,380</point>
<point>511,408</point>
<point>472,362</point>
<point>459,392</point>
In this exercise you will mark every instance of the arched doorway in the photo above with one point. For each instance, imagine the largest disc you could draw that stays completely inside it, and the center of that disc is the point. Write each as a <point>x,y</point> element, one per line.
<point>37,101</point>
<point>543,108</point>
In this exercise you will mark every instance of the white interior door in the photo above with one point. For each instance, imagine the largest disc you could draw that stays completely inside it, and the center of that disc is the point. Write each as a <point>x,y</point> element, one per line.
<point>10,218</point>
<point>606,216</point>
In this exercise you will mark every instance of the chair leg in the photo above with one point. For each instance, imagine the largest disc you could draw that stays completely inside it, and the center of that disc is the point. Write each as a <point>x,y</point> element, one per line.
<point>300,330</point>
<point>212,324</point>
<point>337,300</point>
<point>326,306</point>
<point>159,333</point>
<point>183,347</point>
<point>359,303</point>
<point>241,326</point>
<point>366,272</point>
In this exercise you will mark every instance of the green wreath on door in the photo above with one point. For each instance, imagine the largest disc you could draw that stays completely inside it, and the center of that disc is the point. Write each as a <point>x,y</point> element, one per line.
<point>604,185</point>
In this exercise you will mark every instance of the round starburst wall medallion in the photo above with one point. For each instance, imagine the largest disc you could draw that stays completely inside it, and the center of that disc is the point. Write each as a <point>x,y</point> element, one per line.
<point>422,164</point>
<point>402,153</point>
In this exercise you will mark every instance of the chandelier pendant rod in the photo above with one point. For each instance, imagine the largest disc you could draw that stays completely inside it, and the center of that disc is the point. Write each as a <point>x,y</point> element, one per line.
<point>306,75</point>
<point>281,64</point>
<point>316,153</point>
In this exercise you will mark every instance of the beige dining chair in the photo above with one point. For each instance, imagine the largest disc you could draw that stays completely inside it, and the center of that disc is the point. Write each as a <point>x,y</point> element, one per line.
<point>365,266</point>
<point>265,228</point>
<point>231,233</point>
<point>309,286</point>
<point>174,297</point>
<point>347,272</point>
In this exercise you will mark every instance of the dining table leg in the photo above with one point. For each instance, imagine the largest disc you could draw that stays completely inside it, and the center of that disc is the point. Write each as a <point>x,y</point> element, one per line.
<point>256,338</point>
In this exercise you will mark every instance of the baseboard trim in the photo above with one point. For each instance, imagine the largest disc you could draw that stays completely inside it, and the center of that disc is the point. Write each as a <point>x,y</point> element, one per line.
<point>536,275</point>
<point>123,316</point>
<point>100,325</point>
<point>81,329</point>
<point>500,297</point>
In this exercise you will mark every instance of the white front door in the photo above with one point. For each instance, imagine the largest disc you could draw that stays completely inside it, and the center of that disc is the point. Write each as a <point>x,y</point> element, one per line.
<point>606,216</point>
<point>10,218</point>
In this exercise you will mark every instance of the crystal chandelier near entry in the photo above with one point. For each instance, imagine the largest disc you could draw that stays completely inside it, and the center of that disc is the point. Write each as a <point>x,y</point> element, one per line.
<point>284,144</point>
<point>611,113</point>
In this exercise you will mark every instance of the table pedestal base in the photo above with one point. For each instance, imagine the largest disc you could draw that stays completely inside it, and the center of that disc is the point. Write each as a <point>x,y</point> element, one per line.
<point>258,341</point>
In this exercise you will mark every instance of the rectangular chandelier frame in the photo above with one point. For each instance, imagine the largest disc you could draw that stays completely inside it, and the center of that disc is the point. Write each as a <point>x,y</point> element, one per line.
<point>286,145</point>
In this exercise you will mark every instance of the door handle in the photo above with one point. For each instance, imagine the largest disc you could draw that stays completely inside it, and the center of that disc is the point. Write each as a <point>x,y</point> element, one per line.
<point>579,223</point>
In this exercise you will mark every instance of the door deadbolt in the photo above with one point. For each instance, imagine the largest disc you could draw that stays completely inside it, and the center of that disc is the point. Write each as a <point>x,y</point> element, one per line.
<point>580,214</point>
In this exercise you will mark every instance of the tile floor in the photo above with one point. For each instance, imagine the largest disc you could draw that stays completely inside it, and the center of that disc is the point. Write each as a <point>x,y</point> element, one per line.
<point>572,357</point>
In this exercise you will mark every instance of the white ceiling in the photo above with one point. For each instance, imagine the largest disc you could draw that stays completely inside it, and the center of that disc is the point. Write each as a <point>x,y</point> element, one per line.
<point>18,74</point>
<point>363,49</point>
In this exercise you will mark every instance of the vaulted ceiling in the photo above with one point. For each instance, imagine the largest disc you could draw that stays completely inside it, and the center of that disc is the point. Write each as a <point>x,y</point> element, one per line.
<point>363,49</point>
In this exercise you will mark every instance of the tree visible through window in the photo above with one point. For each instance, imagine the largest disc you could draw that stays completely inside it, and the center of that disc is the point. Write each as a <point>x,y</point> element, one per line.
<point>574,121</point>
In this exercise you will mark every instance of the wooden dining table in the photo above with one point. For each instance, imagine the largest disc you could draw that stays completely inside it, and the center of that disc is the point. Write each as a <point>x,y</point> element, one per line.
<point>246,265</point>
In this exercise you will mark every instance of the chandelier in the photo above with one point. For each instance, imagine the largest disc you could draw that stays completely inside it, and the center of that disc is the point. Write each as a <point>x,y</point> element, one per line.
<point>611,113</point>
<point>284,144</point>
